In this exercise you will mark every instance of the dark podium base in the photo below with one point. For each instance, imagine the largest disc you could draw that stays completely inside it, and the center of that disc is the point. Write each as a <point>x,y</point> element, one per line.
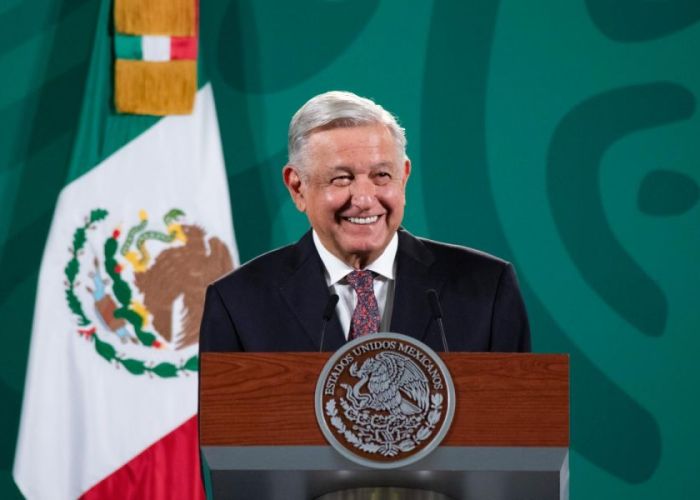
<point>464,473</point>
<point>384,494</point>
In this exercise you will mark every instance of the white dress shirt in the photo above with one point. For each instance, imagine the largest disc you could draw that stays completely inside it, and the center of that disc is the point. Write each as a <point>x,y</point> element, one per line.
<point>384,269</point>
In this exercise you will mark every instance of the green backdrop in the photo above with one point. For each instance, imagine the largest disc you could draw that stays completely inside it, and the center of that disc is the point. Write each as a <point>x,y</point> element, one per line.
<point>560,135</point>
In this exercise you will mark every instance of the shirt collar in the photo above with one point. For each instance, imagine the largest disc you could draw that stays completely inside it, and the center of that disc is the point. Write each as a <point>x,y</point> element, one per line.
<point>336,269</point>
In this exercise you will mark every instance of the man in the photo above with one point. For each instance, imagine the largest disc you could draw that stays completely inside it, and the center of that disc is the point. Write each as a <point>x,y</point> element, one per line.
<point>347,171</point>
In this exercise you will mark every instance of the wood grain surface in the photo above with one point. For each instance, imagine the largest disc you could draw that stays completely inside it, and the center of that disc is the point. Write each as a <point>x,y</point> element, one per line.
<point>265,399</point>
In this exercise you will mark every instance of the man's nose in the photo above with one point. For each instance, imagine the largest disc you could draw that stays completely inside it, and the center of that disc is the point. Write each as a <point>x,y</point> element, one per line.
<point>363,193</point>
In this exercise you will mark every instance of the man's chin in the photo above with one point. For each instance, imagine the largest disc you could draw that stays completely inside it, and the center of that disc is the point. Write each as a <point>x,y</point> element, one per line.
<point>364,252</point>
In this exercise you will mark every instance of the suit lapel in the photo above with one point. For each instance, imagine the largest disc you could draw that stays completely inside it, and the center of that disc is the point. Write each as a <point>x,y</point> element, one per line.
<point>306,294</point>
<point>411,314</point>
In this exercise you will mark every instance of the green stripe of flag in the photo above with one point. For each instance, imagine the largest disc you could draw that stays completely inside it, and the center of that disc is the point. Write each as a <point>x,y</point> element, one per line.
<point>127,46</point>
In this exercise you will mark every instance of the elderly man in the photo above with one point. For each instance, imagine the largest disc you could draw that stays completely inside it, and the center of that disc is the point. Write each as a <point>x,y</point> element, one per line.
<point>347,171</point>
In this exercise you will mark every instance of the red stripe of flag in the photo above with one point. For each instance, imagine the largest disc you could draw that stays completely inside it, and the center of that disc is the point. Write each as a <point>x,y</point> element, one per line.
<point>168,469</point>
<point>183,47</point>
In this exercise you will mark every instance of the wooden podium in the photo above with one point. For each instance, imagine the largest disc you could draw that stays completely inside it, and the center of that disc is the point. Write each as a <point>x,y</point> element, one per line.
<point>509,438</point>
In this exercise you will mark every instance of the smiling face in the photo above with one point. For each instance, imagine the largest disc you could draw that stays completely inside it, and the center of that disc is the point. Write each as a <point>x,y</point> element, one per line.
<point>352,189</point>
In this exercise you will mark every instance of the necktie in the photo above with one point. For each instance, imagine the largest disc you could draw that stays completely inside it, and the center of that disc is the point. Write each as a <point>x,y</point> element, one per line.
<point>365,317</point>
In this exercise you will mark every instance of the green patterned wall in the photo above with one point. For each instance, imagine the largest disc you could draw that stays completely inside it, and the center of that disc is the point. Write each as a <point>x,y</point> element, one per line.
<point>561,135</point>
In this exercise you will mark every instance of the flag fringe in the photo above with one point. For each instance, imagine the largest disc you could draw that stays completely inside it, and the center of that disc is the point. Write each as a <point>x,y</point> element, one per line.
<point>155,17</point>
<point>147,88</point>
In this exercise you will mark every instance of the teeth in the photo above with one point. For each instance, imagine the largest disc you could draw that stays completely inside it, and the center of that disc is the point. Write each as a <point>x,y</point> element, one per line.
<point>363,220</point>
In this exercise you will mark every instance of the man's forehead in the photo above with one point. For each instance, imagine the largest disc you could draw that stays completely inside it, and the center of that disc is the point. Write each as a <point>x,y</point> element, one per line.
<point>352,149</point>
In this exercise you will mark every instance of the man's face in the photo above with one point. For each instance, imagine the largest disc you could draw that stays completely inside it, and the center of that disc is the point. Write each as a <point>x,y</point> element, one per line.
<point>352,190</point>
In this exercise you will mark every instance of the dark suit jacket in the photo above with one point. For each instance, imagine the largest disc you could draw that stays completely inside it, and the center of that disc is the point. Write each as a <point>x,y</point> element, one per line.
<point>276,301</point>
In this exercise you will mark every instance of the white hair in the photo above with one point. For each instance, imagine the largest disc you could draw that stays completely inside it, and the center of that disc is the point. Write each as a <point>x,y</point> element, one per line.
<point>338,109</point>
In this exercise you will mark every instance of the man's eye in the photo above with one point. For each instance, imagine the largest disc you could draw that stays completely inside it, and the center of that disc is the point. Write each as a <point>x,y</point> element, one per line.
<point>382,177</point>
<point>341,180</point>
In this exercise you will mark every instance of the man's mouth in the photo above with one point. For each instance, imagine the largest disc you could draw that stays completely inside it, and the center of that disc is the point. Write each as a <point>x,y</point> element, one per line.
<point>362,220</point>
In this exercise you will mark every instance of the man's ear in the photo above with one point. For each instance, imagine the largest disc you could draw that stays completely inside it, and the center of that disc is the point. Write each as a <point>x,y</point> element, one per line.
<point>406,170</point>
<point>295,186</point>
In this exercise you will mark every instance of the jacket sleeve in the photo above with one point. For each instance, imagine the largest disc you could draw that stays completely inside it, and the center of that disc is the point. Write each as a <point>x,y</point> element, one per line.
<point>217,332</point>
<point>510,329</point>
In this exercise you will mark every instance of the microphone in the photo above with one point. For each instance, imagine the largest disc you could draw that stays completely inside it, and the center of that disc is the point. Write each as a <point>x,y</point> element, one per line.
<point>437,315</point>
<point>327,315</point>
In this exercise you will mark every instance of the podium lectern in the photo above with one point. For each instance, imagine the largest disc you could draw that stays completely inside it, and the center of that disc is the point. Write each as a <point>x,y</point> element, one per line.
<point>509,438</point>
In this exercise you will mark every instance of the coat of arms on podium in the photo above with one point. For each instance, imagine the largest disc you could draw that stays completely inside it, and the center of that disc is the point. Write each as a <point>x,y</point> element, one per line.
<point>385,400</point>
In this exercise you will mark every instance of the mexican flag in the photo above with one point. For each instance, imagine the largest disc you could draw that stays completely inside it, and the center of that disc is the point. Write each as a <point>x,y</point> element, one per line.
<point>142,225</point>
